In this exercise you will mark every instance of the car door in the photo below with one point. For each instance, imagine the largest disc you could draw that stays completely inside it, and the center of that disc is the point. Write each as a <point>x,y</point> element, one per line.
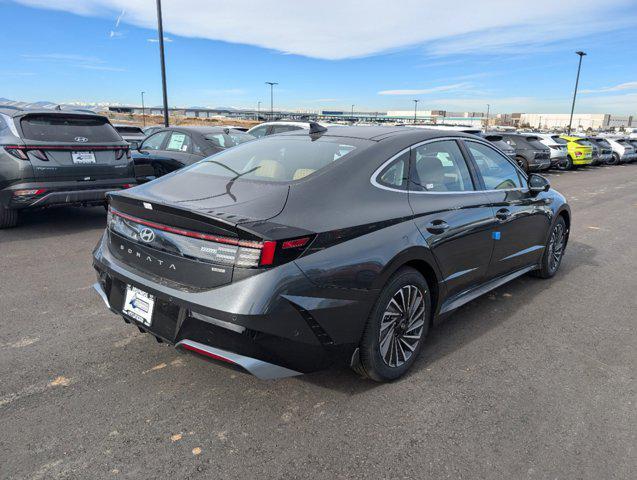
<point>151,153</point>
<point>451,213</point>
<point>523,218</point>
<point>180,147</point>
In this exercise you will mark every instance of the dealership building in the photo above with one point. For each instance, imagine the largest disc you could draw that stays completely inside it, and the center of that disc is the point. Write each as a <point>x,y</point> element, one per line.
<point>581,121</point>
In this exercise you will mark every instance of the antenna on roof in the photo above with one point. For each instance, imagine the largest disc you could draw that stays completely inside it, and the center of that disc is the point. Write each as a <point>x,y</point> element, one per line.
<point>317,128</point>
<point>226,130</point>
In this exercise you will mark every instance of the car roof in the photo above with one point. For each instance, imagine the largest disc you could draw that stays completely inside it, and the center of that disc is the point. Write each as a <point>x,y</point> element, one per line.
<point>378,133</point>
<point>18,112</point>
<point>201,130</point>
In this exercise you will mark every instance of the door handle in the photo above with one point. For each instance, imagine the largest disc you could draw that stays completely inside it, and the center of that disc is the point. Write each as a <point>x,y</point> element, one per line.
<point>437,226</point>
<point>502,214</point>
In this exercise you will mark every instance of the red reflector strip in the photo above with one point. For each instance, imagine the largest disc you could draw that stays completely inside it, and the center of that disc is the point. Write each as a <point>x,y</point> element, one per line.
<point>67,147</point>
<point>188,233</point>
<point>23,193</point>
<point>207,354</point>
<point>299,242</point>
<point>267,253</point>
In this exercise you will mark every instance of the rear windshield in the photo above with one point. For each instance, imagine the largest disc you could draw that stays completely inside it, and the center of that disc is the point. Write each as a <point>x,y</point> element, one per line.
<point>278,159</point>
<point>584,143</point>
<point>228,140</point>
<point>560,140</point>
<point>130,130</point>
<point>67,128</point>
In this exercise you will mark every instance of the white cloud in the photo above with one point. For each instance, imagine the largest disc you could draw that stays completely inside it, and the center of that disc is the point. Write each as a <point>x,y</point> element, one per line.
<point>614,88</point>
<point>73,60</point>
<point>425,91</point>
<point>338,29</point>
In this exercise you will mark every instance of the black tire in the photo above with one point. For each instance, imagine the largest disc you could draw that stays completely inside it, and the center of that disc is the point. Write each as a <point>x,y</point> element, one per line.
<point>8,218</point>
<point>555,245</point>
<point>159,169</point>
<point>615,160</point>
<point>566,164</point>
<point>522,162</point>
<point>375,365</point>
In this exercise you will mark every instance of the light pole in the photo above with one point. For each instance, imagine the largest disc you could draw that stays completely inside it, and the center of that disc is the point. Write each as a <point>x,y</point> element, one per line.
<point>272,84</point>
<point>486,125</point>
<point>352,113</point>
<point>415,109</point>
<point>143,110</point>
<point>579,66</point>
<point>258,110</point>
<point>160,29</point>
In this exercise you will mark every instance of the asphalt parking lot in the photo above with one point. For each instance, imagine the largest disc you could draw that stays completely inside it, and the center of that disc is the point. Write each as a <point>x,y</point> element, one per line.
<point>535,380</point>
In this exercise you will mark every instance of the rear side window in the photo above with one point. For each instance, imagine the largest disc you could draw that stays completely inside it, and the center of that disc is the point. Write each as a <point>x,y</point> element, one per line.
<point>560,140</point>
<point>259,131</point>
<point>497,172</point>
<point>68,128</point>
<point>440,167</point>
<point>395,175</point>
<point>283,128</point>
<point>222,140</point>
<point>278,159</point>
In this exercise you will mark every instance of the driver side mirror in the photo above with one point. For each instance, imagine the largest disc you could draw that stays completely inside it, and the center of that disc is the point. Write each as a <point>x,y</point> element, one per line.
<point>537,183</point>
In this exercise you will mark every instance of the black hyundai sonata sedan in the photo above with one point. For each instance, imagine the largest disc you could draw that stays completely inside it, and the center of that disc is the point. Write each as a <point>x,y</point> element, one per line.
<point>287,254</point>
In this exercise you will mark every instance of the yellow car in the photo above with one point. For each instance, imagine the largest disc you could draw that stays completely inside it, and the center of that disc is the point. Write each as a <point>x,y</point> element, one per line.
<point>580,152</point>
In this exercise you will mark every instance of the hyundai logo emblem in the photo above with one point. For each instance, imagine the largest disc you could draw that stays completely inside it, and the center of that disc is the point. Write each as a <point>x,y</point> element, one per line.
<point>146,235</point>
<point>81,139</point>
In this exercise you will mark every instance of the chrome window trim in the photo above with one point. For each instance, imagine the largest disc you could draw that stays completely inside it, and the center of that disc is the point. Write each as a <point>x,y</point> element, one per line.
<point>377,172</point>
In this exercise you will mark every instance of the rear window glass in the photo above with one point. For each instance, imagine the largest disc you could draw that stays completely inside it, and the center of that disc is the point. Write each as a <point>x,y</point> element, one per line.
<point>278,159</point>
<point>130,130</point>
<point>231,139</point>
<point>67,128</point>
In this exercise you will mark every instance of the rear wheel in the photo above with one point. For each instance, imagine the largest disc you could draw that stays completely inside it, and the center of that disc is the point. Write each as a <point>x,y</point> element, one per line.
<point>396,328</point>
<point>554,250</point>
<point>566,164</point>
<point>8,217</point>
<point>524,165</point>
<point>614,160</point>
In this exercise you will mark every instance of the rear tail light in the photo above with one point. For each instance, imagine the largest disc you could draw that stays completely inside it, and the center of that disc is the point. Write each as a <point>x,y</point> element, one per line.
<point>29,193</point>
<point>225,250</point>
<point>40,154</point>
<point>578,154</point>
<point>119,154</point>
<point>17,151</point>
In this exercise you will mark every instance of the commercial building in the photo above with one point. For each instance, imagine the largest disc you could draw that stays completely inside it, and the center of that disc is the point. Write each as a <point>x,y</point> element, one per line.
<point>581,121</point>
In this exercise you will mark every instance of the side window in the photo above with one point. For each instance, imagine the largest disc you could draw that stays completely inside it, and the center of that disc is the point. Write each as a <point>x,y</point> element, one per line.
<point>217,140</point>
<point>497,172</point>
<point>440,167</point>
<point>283,128</point>
<point>259,131</point>
<point>155,141</point>
<point>179,142</point>
<point>395,175</point>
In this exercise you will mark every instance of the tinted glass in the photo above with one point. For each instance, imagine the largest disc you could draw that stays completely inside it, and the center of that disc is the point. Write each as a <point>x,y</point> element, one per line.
<point>560,140</point>
<point>395,175</point>
<point>65,128</point>
<point>440,167</point>
<point>283,128</point>
<point>179,142</point>
<point>278,159</point>
<point>154,142</point>
<point>223,140</point>
<point>259,131</point>
<point>130,130</point>
<point>497,172</point>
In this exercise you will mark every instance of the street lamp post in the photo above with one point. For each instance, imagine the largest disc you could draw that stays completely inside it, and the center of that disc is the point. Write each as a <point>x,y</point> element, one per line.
<point>579,67</point>
<point>272,84</point>
<point>352,113</point>
<point>143,111</point>
<point>486,125</point>
<point>160,28</point>
<point>258,110</point>
<point>415,109</point>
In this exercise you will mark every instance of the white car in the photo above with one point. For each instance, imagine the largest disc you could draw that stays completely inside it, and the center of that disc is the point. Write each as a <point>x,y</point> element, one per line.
<point>557,146</point>
<point>272,128</point>
<point>623,151</point>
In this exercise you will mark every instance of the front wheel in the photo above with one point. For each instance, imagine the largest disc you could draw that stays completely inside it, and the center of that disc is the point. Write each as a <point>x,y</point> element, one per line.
<point>566,164</point>
<point>554,250</point>
<point>615,160</point>
<point>396,328</point>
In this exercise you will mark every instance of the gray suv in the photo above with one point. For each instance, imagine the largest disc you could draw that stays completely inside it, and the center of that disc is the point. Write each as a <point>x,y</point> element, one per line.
<point>53,157</point>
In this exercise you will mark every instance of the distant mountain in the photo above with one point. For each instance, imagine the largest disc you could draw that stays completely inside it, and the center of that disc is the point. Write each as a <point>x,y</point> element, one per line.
<point>45,104</point>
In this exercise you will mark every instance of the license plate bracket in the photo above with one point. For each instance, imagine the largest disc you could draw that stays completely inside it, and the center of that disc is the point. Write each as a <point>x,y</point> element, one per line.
<point>139,305</point>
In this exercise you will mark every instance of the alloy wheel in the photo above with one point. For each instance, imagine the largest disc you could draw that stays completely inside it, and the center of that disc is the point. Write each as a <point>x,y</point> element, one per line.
<point>402,325</point>
<point>556,246</point>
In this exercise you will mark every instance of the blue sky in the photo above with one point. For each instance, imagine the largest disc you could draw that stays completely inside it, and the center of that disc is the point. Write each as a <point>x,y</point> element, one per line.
<point>455,55</point>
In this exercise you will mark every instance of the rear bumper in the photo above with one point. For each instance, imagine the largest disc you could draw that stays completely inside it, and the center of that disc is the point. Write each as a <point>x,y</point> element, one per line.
<point>539,164</point>
<point>61,193</point>
<point>272,324</point>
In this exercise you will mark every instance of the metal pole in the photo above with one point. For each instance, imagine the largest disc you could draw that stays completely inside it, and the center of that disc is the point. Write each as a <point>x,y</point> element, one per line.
<point>415,109</point>
<point>352,113</point>
<point>160,29</point>
<point>143,110</point>
<point>258,110</point>
<point>486,125</point>
<point>272,84</point>
<point>579,66</point>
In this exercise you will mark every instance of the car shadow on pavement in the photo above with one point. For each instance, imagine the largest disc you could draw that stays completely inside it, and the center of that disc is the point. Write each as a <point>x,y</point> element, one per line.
<point>53,222</point>
<point>465,324</point>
